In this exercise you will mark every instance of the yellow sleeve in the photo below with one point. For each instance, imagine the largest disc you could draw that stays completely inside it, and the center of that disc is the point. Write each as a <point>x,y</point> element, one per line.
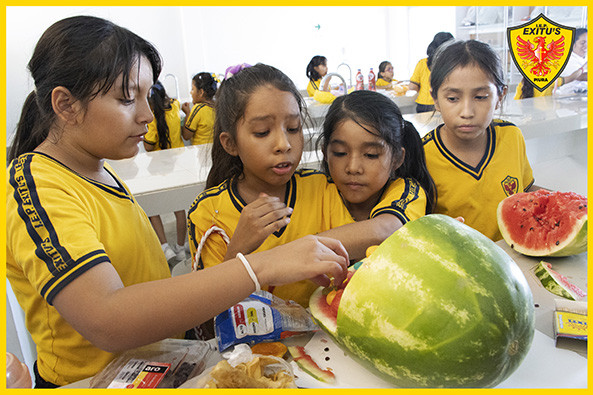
<point>382,82</point>
<point>324,97</point>
<point>312,87</point>
<point>152,137</point>
<point>528,179</point>
<point>417,74</point>
<point>403,198</point>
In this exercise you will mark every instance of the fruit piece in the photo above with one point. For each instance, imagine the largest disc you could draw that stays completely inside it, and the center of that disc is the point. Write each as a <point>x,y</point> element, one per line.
<point>276,349</point>
<point>557,283</point>
<point>544,223</point>
<point>309,366</point>
<point>438,304</point>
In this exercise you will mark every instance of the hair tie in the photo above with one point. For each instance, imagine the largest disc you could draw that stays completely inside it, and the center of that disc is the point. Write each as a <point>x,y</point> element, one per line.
<point>232,70</point>
<point>215,78</point>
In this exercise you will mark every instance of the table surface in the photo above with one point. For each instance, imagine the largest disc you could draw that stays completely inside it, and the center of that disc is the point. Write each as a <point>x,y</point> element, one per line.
<point>169,180</point>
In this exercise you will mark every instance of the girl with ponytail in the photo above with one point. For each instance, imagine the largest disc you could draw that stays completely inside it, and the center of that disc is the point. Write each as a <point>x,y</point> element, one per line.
<point>165,132</point>
<point>376,160</point>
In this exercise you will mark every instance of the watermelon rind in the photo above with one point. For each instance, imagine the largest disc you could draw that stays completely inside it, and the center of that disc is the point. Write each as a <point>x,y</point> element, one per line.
<point>575,242</point>
<point>556,283</point>
<point>310,367</point>
<point>438,304</point>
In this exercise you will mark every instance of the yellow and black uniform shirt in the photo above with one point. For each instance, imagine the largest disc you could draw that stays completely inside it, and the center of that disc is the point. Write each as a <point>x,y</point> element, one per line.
<point>317,207</point>
<point>60,224</point>
<point>403,197</point>
<point>474,192</point>
<point>200,122</point>
<point>173,119</point>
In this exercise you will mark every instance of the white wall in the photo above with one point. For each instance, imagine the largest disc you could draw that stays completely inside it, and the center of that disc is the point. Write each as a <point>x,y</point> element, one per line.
<point>195,39</point>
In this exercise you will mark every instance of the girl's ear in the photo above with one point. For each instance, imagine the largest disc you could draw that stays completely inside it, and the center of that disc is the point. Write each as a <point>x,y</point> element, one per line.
<point>228,143</point>
<point>501,97</point>
<point>400,160</point>
<point>66,106</point>
<point>436,102</point>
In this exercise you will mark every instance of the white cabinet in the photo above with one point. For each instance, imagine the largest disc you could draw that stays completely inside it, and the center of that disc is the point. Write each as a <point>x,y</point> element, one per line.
<point>489,24</point>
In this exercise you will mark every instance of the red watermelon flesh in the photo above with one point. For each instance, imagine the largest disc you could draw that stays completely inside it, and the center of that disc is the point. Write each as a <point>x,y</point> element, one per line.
<point>544,223</point>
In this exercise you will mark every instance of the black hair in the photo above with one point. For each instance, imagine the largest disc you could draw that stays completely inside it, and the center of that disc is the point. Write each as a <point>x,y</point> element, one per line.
<point>207,82</point>
<point>382,67</point>
<point>463,53</point>
<point>231,100</point>
<point>579,32</point>
<point>375,112</point>
<point>438,39</point>
<point>160,102</point>
<point>85,55</point>
<point>312,74</point>
<point>526,89</point>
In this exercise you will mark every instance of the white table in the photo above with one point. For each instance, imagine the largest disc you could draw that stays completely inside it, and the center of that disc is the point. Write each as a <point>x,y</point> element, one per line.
<point>555,131</point>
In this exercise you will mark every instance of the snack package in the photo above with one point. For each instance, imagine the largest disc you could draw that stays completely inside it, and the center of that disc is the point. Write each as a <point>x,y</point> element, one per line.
<point>243,369</point>
<point>164,364</point>
<point>261,317</point>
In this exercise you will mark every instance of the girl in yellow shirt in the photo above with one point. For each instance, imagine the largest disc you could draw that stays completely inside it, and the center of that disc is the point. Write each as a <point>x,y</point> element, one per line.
<point>199,123</point>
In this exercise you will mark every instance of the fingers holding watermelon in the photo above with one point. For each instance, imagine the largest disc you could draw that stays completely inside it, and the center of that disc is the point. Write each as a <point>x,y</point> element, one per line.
<point>310,257</point>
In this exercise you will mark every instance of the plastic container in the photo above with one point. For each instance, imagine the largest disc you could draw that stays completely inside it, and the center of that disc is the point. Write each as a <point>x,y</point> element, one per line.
<point>17,373</point>
<point>371,85</point>
<point>359,81</point>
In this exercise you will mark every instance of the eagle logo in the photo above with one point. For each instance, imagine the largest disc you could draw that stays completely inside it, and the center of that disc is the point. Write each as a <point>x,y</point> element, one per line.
<point>540,49</point>
<point>510,185</point>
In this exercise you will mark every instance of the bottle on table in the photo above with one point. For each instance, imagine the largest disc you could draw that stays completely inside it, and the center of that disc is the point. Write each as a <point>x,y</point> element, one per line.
<point>371,85</point>
<point>359,81</point>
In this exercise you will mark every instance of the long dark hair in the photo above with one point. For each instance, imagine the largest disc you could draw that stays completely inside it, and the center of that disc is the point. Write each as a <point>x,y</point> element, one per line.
<point>463,53</point>
<point>160,102</point>
<point>84,54</point>
<point>231,100</point>
<point>526,89</point>
<point>206,82</point>
<point>372,110</point>
<point>315,61</point>
<point>438,39</point>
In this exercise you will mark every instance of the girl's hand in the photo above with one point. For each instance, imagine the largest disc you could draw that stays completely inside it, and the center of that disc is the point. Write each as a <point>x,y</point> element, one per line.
<point>186,108</point>
<point>310,257</point>
<point>258,220</point>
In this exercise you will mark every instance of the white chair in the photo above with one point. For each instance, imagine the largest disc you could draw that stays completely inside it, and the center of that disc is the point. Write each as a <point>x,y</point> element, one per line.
<point>28,348</point>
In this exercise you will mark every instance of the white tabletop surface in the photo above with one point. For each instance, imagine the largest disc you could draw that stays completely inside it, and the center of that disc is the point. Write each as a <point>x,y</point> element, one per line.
<point>169,180</point>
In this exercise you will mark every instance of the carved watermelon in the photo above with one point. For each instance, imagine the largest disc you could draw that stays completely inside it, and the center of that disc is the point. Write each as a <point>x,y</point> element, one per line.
<point>437,304</point>
<point>544,223</point>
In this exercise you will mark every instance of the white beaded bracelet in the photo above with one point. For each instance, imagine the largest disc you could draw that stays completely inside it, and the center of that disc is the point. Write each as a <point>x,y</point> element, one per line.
<point>250,271</point>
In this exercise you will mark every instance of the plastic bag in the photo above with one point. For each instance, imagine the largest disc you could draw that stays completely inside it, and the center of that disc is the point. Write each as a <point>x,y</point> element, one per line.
<point>261,317</point>
<point>164,364</point>
<point>243,369</point>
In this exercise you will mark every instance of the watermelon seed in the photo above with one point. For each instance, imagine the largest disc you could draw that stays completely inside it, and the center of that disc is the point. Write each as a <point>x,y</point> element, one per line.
<point>521,226</point>
<point>530,228</point>
<point>580,207</point>
<point>524,209</point>
<point>536,305</point>
<point>558,223</point>
<point>557,242</point>
<point>512,245</point>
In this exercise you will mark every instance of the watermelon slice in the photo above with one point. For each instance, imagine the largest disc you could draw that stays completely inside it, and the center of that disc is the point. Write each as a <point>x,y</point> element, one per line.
<point>307,365</point>
<point>544,223</point>
<point>557,283</point>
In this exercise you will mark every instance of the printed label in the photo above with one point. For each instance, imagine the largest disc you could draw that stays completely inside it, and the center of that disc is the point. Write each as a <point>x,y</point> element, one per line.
<point>252,318</point>
<point>140,374</point>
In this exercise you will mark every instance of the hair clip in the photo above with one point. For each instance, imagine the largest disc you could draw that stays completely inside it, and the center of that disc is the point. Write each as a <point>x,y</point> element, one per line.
<point>232,70</point>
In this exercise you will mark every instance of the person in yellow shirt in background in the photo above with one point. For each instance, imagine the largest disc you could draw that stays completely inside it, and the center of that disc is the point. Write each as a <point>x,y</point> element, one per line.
<point>420,79</point>
<point>385,75</point>
<point>525,89</point>
<point>316,70</point>
<point>165,132</point>
<point>199,123</point>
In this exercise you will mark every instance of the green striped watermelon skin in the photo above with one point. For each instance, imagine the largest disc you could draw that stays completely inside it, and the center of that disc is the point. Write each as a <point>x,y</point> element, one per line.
<point>437,305</point>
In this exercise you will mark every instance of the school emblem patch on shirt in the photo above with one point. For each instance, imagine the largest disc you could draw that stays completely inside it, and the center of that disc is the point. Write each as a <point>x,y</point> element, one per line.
<point>540,49</point>
<point>510,185</point>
